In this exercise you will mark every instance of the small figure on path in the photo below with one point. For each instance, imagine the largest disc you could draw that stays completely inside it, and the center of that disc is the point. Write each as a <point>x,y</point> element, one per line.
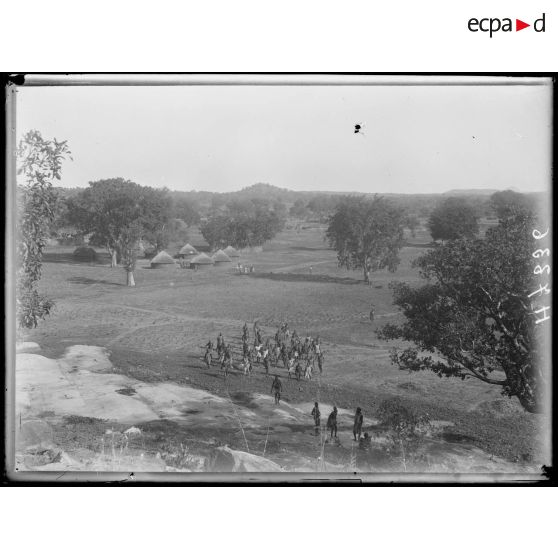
<point>226,365</point>
<point>316,415</point>
<point>266,364</point>
<point>357,426</point>
<point>372,310</point>
<point>332,423</point>
<point>207,357</point>
<point>298,371</point>
<point>308,370</point>
<point>276,388</point>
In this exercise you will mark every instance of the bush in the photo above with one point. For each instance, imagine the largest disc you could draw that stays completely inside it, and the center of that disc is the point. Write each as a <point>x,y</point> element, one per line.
<point>407,430</point>
<point>85,254</point>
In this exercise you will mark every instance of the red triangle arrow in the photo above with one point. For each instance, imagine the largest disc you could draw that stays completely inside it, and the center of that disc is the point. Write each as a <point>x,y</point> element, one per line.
<point>519,25</point>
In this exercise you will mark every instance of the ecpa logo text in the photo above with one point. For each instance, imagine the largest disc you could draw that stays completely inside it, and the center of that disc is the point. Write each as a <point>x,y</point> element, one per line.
<point>494,24</point>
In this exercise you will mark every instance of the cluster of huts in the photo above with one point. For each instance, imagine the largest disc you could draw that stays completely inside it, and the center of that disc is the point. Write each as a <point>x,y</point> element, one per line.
<point>188,256</point>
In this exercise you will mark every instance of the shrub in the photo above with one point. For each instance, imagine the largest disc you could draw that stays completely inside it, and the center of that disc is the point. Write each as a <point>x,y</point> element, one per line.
<point>84,254</point>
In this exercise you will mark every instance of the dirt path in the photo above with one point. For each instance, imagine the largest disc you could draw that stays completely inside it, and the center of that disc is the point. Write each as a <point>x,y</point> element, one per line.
<point>304,264</point>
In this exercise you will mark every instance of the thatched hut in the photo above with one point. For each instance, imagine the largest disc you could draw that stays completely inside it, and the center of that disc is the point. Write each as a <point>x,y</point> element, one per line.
<point>221,258</point>
<point>186,251</point>
<point>161,260</point>
<point>201,260</point>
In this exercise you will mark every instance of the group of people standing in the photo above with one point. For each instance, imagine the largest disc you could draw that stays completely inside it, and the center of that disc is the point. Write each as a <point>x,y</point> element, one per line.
<point>244,269</point>
<point>331,424</point>
<point>298,356</point>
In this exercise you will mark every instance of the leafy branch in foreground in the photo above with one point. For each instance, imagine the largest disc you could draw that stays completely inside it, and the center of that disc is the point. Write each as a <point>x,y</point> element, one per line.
<point>474,318</point>
<point>40,163</point>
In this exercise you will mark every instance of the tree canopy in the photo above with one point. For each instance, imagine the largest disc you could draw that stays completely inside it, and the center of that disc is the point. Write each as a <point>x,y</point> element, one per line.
<point>366,233</point>
<point>453,218</point>
<point>118,212</point>
<point>186,211</point>
<point>244,223</point>
<point>507,203</point>
<point>40,163</point>
<point>475,317</point>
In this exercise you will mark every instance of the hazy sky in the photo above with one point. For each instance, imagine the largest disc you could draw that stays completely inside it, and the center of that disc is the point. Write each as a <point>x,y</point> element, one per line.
<point>416,139</point>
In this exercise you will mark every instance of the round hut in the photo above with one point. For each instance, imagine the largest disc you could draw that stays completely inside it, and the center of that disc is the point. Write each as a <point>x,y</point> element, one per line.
<point>161,260</point>
<point>220,258</point>
<point>201,260</point>
<point>231,252</point>
<point>187,251</point>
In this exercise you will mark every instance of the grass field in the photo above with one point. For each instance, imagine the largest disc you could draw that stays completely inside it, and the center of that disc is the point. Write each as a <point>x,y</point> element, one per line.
<point>154,335</point>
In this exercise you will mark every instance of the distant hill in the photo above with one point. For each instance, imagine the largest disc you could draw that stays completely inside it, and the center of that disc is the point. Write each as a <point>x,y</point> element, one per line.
<point>263,189</point>
<point>471,192</point>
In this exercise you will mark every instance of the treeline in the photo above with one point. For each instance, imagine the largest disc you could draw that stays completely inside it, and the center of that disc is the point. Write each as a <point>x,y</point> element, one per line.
<point>254,215</point>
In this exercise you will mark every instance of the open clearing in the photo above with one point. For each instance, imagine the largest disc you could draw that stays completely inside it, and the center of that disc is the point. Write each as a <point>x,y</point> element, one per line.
<point>111,358</point>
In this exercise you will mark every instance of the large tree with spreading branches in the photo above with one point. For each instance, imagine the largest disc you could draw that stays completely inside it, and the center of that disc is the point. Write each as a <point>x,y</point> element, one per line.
<point>118,213</point>
<point>479,314</point>
<point>367,234</point>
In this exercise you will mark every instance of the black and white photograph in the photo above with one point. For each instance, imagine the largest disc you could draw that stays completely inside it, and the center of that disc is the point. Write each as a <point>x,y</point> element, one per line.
<point>279,277</point>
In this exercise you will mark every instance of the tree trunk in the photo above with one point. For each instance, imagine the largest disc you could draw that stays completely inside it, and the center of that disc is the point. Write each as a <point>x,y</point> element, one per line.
<point>130,279</point>
<point>530,386</point>
<point>366,269</point>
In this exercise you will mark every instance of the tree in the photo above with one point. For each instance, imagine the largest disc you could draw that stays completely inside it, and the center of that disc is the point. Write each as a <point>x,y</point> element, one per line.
<point>507,202</point>
<point>453,218</point>
<point>412,223</point>
<point>118,213</point>
<point>367,234</point>
<point>40,162</point>
<point>407,429</point>
<point>298,209</point>
<point>185,210</point>
<point>475,317</point>
<point>156,211</point>
<point>244,223</point>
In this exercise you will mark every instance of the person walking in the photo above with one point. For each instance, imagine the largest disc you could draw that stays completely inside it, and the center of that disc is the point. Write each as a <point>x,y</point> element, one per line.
<point>276,388</point>
<point>357,426</point>
<point>316,415</point>
<point>266,364</point>
<point>207,357</point>
<point>332,423</point>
